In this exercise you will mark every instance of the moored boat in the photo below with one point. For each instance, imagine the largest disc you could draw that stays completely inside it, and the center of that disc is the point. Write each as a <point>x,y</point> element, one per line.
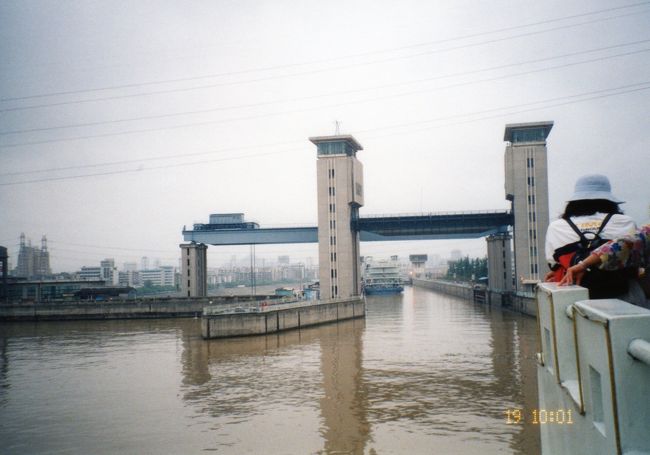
<point>382,277</point>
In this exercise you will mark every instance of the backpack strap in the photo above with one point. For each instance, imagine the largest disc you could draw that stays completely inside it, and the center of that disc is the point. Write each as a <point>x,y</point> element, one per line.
<point>584,239</point>
<point>602,225</point>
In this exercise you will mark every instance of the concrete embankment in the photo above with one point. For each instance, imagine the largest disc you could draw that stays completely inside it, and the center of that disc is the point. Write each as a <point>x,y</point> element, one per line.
<point>117,309</point>
<point>463,291</point>
<point>521,303</point>
<point>276,318</point>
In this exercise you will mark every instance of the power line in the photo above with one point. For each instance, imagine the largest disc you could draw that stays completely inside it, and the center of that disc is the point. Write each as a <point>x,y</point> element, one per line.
<point>317,61</point>
<point>558,101</point>
<point>521,111</point>
<point>597,93</point>
<point>458,74</point>
<point>108,247</point>
<point>128,171</point>
<point>315,108</point>
<point>142,160</point>
<point>315,71</point>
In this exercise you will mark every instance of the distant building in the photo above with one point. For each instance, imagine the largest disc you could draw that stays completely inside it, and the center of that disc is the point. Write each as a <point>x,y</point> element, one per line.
<point>456,255</point>
<point>90,273</point>
<point>162,276</point>
<point>129,278</point>
<point>283,260</point>
<point>47,290</point>
<point>109,271</point>
<point>33,262</point>
<point>130,266</point>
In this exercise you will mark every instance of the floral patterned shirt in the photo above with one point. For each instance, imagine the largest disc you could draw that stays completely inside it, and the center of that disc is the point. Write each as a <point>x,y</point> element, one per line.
<point>629,251</point>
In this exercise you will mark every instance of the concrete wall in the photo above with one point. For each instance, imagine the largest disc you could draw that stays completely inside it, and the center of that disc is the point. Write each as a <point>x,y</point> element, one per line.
<point>517,302</point>
<point>522,303</point>
<point>128,309</point>
<point>456,289</point>
<point>271,321</point>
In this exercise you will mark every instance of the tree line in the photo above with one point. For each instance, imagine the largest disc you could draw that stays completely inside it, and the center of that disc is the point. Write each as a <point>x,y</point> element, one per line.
<point>466,269</point>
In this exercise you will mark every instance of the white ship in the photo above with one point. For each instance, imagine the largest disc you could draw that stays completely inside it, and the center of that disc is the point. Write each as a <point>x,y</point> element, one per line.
<point>382,277</point>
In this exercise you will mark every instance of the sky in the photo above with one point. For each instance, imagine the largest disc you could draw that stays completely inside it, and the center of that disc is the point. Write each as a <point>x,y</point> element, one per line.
<point>121,122</point>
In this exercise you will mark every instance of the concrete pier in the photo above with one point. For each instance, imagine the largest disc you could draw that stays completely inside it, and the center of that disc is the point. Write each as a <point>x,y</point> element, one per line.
<point>261,319</point>
<point>119,309</point>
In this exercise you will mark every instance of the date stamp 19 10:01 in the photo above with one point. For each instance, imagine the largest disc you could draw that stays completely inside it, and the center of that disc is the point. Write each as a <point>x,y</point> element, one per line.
<point>539,416</point>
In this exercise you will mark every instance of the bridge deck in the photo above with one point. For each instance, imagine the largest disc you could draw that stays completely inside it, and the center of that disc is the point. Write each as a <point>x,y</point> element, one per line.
<point>372,228</point>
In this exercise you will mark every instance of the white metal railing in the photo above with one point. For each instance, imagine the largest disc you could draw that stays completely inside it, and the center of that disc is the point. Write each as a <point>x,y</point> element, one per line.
<point>640,350</point>
<point>594,361</point>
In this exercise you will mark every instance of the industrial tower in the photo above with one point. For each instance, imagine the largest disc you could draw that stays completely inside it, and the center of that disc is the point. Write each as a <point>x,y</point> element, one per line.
<point>339,178</point>
<point>194,270</point>
<point>526,185</point>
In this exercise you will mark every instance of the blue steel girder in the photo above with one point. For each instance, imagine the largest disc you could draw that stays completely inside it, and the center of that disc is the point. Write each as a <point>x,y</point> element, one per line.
<point>265,236</point>
<point>433,226</point>
<point>373,228</point>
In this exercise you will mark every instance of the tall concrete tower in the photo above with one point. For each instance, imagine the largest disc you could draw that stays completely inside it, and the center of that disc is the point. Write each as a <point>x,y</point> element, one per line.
<point>499,262</point>
<point>340,194</point>
<point>526,185</point>
<point>194,267</point>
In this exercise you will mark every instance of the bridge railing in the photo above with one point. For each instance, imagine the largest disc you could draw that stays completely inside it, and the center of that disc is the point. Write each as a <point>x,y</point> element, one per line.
<point>413,214</point>
<point>594,372</point>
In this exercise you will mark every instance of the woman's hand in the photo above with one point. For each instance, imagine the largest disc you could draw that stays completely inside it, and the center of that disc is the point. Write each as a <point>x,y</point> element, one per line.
<point>574,274</point>
<point>550,276</point>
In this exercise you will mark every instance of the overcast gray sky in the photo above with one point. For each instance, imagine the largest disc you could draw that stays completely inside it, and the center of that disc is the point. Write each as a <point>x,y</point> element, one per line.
<point>170,111</point>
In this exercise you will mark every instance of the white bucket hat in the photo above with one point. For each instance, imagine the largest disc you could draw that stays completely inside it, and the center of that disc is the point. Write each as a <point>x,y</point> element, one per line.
<point>593,186</point>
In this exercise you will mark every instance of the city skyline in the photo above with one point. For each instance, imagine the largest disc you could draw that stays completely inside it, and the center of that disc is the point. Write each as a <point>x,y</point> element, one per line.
<point>231,99</point>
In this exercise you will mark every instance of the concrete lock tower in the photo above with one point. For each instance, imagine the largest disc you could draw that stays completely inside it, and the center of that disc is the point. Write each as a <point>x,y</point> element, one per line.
<point>194,267</point>
<point>499,262</point>
<point>526,185</point>
<point>340,194</point>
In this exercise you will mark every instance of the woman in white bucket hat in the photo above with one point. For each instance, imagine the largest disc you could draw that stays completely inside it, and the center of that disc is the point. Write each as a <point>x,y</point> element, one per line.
<point>593,211</point>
